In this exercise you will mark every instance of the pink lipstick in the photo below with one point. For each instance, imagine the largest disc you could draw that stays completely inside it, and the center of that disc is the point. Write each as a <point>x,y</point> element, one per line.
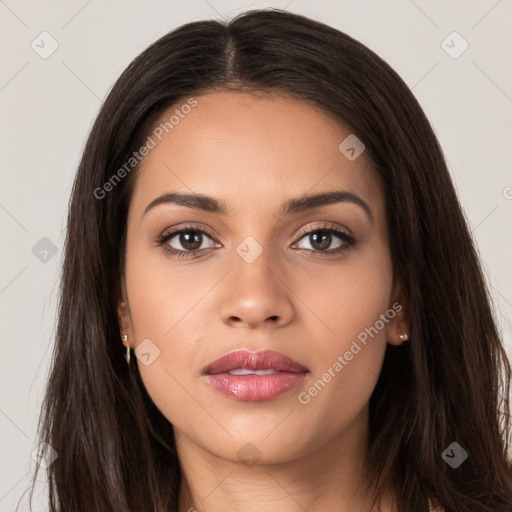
<point>254,376</point>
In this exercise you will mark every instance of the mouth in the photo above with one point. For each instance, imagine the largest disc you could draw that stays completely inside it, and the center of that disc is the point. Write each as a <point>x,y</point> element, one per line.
<point>254,376</point>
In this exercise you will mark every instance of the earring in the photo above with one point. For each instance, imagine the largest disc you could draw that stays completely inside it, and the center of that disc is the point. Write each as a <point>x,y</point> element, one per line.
<point>402,335</point>
<point>124,337</point>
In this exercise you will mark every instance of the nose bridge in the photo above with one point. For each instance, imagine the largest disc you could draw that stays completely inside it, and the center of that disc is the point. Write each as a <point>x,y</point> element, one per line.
<point>255,263</point>
<point>256,291</point>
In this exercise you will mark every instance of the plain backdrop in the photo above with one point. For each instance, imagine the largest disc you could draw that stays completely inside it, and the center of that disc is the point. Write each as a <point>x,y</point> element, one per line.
<point>47,106</point>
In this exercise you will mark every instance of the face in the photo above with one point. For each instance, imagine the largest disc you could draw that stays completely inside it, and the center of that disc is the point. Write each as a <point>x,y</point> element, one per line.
<point>313,282</point>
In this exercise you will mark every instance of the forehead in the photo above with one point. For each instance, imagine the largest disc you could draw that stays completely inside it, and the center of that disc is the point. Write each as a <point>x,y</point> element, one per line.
<point>251,152</point>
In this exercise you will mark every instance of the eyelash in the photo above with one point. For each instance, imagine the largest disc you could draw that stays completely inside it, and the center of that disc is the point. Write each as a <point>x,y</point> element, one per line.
<point>348,240</point>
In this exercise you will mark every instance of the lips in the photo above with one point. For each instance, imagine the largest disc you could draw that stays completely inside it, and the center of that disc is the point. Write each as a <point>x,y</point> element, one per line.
<point>254,376</point>
<point>258,363</point>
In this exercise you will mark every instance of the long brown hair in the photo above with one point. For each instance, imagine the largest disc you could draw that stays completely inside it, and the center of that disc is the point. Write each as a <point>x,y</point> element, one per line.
<point>450,383</point>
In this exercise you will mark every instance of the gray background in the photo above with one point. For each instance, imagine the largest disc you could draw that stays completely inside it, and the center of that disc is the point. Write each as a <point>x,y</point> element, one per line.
<point>47,107</point>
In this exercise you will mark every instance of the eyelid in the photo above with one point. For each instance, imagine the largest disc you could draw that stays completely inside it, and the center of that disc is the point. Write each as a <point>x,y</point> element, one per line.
<point>184,227</point>
<point>325,225</point>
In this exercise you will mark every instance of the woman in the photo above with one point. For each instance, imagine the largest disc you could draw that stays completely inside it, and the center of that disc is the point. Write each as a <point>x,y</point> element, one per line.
<point>264,225</point>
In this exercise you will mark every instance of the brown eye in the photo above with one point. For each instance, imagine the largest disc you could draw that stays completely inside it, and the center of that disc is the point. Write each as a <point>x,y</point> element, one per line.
<point>189,240</point>
<point>321,239</point>
<point>185,241</point>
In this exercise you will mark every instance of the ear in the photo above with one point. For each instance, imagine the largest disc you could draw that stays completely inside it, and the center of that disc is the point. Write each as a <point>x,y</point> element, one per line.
<point>124,317</point>
<point>400,323</point>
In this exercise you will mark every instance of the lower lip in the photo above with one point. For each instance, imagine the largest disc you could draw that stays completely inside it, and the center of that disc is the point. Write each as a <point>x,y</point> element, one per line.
<point>255,388</point>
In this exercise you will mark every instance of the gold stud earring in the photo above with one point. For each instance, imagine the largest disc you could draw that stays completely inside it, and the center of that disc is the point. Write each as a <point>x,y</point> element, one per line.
<point>402,335</point>
<point>124,337</point>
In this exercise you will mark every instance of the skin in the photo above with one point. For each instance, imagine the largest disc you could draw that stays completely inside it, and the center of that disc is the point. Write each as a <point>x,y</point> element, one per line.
<point>255,153</point>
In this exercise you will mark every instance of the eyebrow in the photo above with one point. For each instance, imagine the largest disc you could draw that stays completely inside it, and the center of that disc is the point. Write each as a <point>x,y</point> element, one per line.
<point>295,205</point>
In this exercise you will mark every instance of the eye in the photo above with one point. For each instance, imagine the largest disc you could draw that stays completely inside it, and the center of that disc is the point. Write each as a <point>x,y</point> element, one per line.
<point>185,241</point>
<point>188,241</point>
<point>321,238</point>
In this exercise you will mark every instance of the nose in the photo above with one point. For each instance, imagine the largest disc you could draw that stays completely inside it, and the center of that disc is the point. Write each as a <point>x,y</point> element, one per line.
<point>255,294</point>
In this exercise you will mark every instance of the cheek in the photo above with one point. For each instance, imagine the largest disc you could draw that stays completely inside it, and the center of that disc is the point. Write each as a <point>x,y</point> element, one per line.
<point>348,300</point>
<point>165,297</point>
<point>168,308</point>
<point>352,308</point>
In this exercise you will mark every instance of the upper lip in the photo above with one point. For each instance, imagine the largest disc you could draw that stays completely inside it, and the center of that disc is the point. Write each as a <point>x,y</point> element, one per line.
<point>263,360</point>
